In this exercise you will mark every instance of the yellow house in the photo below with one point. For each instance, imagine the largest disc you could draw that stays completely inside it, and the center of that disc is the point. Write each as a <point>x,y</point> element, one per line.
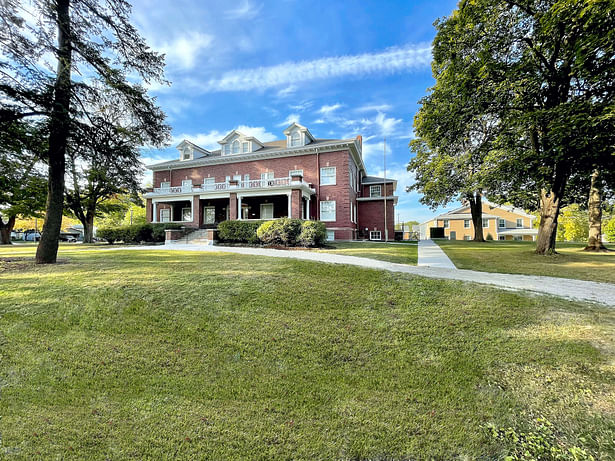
<point>502,222</point>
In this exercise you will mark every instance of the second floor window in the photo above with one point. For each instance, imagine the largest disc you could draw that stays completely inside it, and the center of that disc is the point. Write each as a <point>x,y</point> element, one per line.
<point>485,222</point>
<point>519,222</point>
<point>466,223</point>
<point>501,223</point>
<point>375,191</point>
<point>327,176</point>
<point>446,223</point>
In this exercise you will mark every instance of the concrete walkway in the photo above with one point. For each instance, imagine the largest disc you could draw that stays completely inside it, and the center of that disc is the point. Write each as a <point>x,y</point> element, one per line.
<point>430,254</point>
<point>579,290</point>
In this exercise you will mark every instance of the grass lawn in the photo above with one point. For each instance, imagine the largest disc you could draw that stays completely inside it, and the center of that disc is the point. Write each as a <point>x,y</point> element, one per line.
<point>519,258</point>
<point>165,354</point>
<point>404,253</point>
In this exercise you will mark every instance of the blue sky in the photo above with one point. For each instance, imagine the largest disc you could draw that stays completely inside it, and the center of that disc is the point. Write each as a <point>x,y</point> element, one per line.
<point>340,68</point>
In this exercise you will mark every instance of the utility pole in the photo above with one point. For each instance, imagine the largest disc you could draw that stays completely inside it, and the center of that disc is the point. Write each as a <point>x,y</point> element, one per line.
<point>384,166</point>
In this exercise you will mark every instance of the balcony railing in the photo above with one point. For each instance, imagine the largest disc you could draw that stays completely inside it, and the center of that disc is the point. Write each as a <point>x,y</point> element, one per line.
<point>232,185</point>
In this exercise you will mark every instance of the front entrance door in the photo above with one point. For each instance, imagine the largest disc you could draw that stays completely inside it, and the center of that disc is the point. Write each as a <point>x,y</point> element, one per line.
<point>209,215</point>
<point>453,235</point>
<point>266,210</point>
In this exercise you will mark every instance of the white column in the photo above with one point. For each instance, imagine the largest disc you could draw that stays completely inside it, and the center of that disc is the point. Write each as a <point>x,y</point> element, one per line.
<point>239,207</point>
<point>307,208</point>
<point>290,195</point>
<point>155,212</point>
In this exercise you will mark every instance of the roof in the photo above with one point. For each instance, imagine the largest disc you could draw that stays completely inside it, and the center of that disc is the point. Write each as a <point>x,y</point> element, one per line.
<point>452,215</point>
<point>376,180</point>
<point>269,150</point>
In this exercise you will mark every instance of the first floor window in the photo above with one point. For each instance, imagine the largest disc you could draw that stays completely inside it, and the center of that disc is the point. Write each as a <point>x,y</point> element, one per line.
<point>485,222</point>
<point>330,235</point>
<point>327,176</point>
<point>501,222</point>
<point>375,191</point>
<point>374,235</point>
<point>467,237</point>
<point>327,210</point>
<point>466,223</point>
<point>446,223</point>
<point>266,210</point>
<point>502,237</point>
<point>519,222</point>
<point>165,215</point>
<point>518,237</point>
<point>186,214</point>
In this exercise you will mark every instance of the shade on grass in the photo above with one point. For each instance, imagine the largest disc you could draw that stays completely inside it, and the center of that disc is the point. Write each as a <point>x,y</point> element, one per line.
<point>512,257</point>
<point>402,253</point>
<point>154,354</point>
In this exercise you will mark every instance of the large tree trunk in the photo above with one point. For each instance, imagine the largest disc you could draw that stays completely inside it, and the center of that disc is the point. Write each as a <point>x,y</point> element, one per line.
<point>88,228</point>
<point>476,208</point>
<point>550,204</point>
<point>47,250</point>
<point>594,207</point>
<point>6,229</point>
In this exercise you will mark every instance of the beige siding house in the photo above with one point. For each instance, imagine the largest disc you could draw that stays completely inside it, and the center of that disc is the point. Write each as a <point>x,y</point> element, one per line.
<point>502,222</point>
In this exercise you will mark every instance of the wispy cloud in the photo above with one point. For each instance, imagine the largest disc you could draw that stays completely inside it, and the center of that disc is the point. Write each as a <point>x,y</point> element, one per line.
<point>327,109</point>
<point>184,51</point>
<point>387,62</point>
<point>210,139</point>
<point>287,91</point>
<point>245,10</point>
<point>292,118</point>
<point>374,107</point>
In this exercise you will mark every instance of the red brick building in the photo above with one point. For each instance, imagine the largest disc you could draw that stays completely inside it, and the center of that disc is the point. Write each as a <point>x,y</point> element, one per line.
<point>299,176</point>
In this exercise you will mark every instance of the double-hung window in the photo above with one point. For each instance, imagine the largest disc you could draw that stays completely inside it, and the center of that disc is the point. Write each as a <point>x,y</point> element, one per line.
<point>327,176</point>
<point>327,210</point>
<point>466,223</point>
<point>485,222</point>
<point>501,223</point>
<point>446,223</point>
<point>245,147</point>
<point>375,191</point>
<point>375,235</point>
<point>519,222</point>
<point>165,184</point>
<point>209,183</point>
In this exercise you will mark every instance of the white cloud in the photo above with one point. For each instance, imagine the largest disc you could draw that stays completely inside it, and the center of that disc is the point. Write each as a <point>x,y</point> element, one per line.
<point>292,118</point>
<point>385,124</point>
<point>287,91</point>
<point>245,10</point>
<point>183,52</point>
<point>210,140</point>
<point>387,62</point>
<point>303,105</point>
<point>326,109</point>
<point>319,121</point>
<point>258,132</point>
<point>374,107</point>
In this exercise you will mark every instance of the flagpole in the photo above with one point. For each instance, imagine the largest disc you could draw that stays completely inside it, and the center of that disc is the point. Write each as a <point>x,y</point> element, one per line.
<point>384,165</point>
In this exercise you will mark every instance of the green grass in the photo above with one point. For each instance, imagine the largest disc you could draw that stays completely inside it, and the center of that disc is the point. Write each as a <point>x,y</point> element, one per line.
<point>162,354</point>
<point>519,258</point>
<point>404,253</point>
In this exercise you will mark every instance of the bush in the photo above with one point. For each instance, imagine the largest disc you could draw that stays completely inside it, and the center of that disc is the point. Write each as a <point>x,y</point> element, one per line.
<point>135,234</point>
<point>313,234</point>
<point>280,232</point>
<point>158,229</point>
<point>609,230</point>
<point>489,237</point>
<point>109,234</point>
<point>238,231</point>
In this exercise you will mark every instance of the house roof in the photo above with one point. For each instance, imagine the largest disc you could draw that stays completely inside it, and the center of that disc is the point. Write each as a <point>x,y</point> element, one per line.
<point>377,180</point>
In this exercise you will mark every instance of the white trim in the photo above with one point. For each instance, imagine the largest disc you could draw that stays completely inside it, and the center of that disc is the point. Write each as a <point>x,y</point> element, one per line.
<point>372,235</point>
<point>334,210</point>
<point>334,183</point>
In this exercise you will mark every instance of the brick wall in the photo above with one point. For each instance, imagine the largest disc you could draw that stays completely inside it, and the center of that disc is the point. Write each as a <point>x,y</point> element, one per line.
<point>371,215</point>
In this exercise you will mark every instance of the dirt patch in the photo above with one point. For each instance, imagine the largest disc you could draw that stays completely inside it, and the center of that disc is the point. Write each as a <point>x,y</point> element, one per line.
<point>21,264</point>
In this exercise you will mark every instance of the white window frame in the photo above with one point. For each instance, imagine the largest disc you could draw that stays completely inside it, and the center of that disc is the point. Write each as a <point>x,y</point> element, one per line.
<point>209,183</point>
<point>295,139</point>
<point>372,235</point>
<point>519,220</point>
<point>485,223</point>
<point>330,235</point>
<point>466,223</point>
<point>330,177</point>
<point>235,147</point>
<point>245,147</point>
<point>501,223</point>
<point>328,217</point>
<point>165,184</point>
<point>373,188</point>
<point>186,185</point>
<point>205,210</point>
<point>226,149</point>
<point>295,172</point>
<point>186,154</point>
<point>446,224</point>
<point>165,215</point>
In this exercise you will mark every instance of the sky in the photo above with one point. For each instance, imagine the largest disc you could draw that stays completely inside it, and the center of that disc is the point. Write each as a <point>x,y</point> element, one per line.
<point>340,68</point>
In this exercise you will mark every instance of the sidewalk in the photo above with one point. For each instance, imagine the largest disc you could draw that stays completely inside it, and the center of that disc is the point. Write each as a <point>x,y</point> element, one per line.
<point>430,254</point>
<point>579,290</point>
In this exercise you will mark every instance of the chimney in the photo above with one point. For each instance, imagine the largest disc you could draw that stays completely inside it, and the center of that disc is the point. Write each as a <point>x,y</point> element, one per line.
<point>359,141</point>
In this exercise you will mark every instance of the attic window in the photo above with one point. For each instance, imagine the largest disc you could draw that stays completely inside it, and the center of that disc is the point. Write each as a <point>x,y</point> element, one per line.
<point>235,147</point>
<point>227,149</point>
<point>186,154</point>
<point>245,147</point>
<point>295,139</point>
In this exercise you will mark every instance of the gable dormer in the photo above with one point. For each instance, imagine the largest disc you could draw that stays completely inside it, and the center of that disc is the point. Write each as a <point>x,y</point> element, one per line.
<point>236,143</point>
<point>190,151</point>
<point>297,135</point>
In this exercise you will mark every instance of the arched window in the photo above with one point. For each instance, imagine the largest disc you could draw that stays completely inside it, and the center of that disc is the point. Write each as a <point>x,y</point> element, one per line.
<point>295,139</point>
<point>235,146</point>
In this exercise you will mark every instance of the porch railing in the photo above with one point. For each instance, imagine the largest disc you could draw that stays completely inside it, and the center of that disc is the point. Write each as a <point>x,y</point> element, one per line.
<point>221,186</point>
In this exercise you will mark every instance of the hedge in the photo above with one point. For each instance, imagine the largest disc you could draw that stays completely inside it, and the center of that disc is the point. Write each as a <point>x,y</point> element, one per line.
<point>136,233</point>
<point>280,232</point>
<point>238,231</point>
<point>313,234</point>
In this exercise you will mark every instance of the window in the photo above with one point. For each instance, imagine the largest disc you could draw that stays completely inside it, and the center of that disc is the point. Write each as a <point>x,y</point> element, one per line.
<point>266,177</point>
<point>502,237</point>
<point>330,235</point>
<point>501,223</point>
<point>295,139</point>
<point>519,222</point>
<point>327,176</point>
<point>246,178</point>
<point>375,235</point>
<point>235,147</point>
<point>446,223</point>
<point>295,172</point>
<point>266,210</point>
<point>186,154</point>
<point>518,237</point>
<point>467,237</point>
<point>186,214</point>
<point>327,210</point>
<point>209,215</point>
<point>165,215</point>
<point>485,222</point>
<point>165,185</point>
<point>375,191</point>
<point>245,147</point>
<point>187,185</point>
<point>466,223</point>
<point>226,150</point>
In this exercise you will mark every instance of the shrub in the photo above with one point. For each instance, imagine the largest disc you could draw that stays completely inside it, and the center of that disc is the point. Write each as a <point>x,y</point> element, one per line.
<point>238,231</point>
<point>313,234</point>
<point>280,232</point>
<point>489,237</point>
<point>107,233</point>
<point>609,230</point>
<point>136,233</point>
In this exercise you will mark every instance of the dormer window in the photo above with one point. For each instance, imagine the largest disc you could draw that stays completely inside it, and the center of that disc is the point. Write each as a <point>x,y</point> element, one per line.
<point>235,147</point>
<point>186,153</point>
<point>245,147</point>
<point>295,139</point>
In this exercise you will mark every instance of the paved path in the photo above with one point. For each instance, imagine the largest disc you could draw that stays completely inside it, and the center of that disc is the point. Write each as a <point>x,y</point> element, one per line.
<point>580,290</point>
<point>430,254</point>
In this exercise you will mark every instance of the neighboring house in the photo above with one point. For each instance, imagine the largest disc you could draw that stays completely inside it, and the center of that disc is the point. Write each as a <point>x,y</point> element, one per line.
<point>300,177</point>
<point>503,222</point>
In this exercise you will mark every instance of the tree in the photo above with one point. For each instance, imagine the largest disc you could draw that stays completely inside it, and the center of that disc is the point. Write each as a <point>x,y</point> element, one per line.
<point>95,47</point>
<point>22,183</point>
<point>609,230</point>
<point>573,224</point>
<point>548,67</point>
